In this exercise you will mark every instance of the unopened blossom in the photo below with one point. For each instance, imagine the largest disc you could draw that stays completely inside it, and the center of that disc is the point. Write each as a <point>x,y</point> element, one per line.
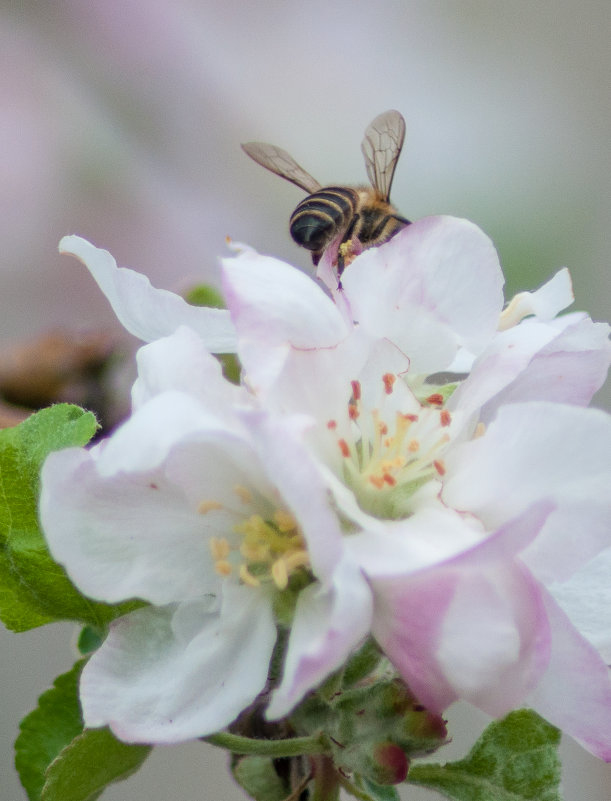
<point>209,511</point>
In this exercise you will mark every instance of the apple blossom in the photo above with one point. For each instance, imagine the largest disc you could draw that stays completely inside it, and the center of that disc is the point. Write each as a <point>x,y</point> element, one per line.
<point>462,588</point>
<point>438,513</point>
<point>191,507</point>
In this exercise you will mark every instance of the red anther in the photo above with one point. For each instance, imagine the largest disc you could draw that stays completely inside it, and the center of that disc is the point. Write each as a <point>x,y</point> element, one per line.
<point>436,399</point>
<point>389,479</point>
<point>388,379</point>
<point>353,411</point>
<point>383,429</point>
<point>412,418</point>
<point>343,446</point>
<point>445,417</point>
<point>356,390</point>
<point>332,425</point>
<point>440,467</point>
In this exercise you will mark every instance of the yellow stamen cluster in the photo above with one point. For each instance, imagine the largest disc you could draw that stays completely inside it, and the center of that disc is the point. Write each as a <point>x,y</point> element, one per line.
<point>269,550</point>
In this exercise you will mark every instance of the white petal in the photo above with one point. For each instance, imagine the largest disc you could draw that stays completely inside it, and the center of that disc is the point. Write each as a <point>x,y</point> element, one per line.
<point>533,451</point>
<point>435,286</point>
<point>575,691</point>
<point>586,599</point>
<point>301,486</point>
<point>148,436</point>
<point>275,303</point>
<point>125,536</point>
<point>545,303</point>
<point>159,679</point>
<point>181,362</point>
<point>329,623</point>
<point>146,312</point>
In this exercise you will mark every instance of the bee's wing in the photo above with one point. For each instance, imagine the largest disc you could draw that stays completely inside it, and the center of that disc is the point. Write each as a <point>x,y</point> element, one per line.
<point>277,160</point>
<point>381,148</point>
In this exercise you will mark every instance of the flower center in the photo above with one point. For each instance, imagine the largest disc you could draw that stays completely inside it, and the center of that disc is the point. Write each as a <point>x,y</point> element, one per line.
<point>390,452</point>
<point>266,551</point>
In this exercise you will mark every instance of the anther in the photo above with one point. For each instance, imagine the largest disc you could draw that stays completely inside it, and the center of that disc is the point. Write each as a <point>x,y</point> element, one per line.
<point>445,417</point>
<point>440,467</point>
<point>284,520</point>
<point>389,380</point>
<point>343,446</point>
<point>356,390</point>
<point>243,493</point>
<point>208,506</point>
<point>436,399</point>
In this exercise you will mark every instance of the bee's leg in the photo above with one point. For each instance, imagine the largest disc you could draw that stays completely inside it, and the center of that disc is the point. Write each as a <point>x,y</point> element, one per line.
<point>340,251</point>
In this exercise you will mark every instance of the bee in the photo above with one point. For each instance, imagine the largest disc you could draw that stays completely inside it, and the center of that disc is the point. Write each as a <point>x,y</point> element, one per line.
<point>342,214</point>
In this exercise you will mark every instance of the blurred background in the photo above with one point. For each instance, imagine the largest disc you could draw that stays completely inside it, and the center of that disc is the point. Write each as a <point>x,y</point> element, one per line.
<point>121,121</point>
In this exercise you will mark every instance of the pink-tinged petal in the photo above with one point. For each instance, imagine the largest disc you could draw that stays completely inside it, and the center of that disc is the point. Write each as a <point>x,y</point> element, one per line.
<point>166,675</point>
<point>431,536</point>
<point>586,599</point>
<point>575,691</point>
<point>434,287</point>
<point>565,361</point>
<point>471,627</point>
<point>533,451</point>
<point>407,623</point>
<point>545,302</point>
<point>505,358</point>
<point>330,621</point>
<point>146,312</point>
<point>126,536</point>
<point>181,362</point>
<point>274,303</point>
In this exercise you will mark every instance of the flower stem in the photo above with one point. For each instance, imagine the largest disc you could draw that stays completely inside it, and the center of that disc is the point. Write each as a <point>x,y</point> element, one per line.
<point>294,746</point>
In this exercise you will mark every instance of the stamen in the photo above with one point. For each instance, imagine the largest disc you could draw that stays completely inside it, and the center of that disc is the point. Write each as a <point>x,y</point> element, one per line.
<point>356,390</point>
<point>208,506</point>
<point>389,380</point>
<point>436,399</point>
<point>220,548</point>
<point>332,425</point>
<point>243,493</point>
<point>343,446</point>
<point>223,568</point>
<point>247,577</point>
<point>284,520</point>
<point>280,574</point>
<point>440,467</point>
<point>445,417</point>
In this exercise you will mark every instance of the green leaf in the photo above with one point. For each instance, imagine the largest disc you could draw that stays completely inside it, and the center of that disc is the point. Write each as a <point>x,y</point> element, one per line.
<point>258,777</point>
<point>92,761</point>
<point>515,759</point>
<point>34,589</point>
<point>47,730</point>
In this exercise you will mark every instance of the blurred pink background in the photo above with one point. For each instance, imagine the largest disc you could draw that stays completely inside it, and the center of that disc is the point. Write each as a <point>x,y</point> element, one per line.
<point>121,121</point>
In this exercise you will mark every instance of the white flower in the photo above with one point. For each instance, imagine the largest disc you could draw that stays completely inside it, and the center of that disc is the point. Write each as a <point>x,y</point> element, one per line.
<point>209,511</point>
<point>459,503</point>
